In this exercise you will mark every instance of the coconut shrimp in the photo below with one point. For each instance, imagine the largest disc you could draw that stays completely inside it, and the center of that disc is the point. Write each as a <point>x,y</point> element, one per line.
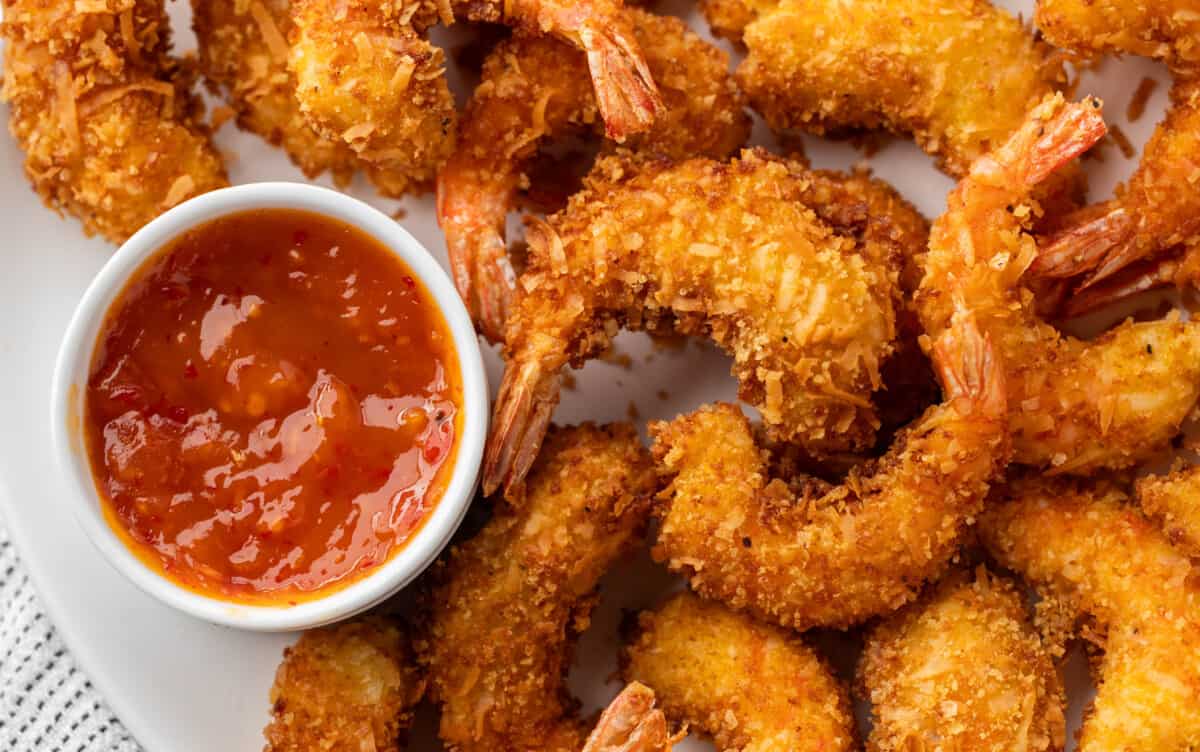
<point>350,686</point>
<point>956,75</point>
<point>751,686</point>
<point>1090,553</point>
<point>831,556</point>
<point>1173,501</point>
<point>1152,213</point>
<point>534,89</point>
<point>963,670</point>
<point>1167,30</point>
<point>1073,406</point>
<point>508,604</point>
<point>111,132</point>
<point>730,250</point>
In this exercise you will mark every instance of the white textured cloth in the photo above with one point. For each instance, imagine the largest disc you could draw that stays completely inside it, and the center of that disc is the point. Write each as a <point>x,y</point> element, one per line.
<point>46,702</point>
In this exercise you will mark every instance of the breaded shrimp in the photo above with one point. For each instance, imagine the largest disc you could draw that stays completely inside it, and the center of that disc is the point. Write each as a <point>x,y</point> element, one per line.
<point>349,686</point>
<point>832,557</point>
<point>367,77</point>
<point>243,54</point>
<point>753,687</point>
<point>1163,29</point>
<point>963,670</point>
<point>1174,502</point>
<point>1155,211</point>
<point>724,249</point>
<point>509,603</point>
<point>1073,406</point>
<point>1091,552</point>
<point>536,88</point>
<point>110,129</point>
<point>956,75</point>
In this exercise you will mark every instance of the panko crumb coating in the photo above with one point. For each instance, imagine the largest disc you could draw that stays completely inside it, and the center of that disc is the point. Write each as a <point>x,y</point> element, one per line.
<point>110,129</point>
<point>958,75</point>
<point>509,603</point>
<point>1174,502</point>
<point>351,686</point>
<point>1166,30</point>
<point>728,250</point>
<point>751,686</point>
<point>963,670</point>
<point>1091,552</point>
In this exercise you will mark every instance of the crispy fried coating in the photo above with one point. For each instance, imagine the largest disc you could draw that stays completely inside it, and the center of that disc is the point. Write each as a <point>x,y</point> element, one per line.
<point>243,54</point>
<point>963,670</point>
<point>729,250</point>
<point>104,114</point>
<point>1174,502</point>
<point>831,556</point>
<point>1074,406</point>
<point>351,686</point>
<point>535,89</point>
<point>1164,29</point>
<point>956,75</point>
<point>751,686</point>
<point>510,602</point>
<point>367,77</point>
<point>1084,547</point>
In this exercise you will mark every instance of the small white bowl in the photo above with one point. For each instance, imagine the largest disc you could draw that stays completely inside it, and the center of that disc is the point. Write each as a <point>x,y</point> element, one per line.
<point>75,359</point>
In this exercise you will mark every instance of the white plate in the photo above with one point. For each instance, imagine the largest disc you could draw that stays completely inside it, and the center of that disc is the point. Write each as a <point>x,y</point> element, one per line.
<point>181,685</point>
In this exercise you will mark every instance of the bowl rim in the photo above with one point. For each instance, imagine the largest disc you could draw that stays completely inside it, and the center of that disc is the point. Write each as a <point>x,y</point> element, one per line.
<point>73,364</point>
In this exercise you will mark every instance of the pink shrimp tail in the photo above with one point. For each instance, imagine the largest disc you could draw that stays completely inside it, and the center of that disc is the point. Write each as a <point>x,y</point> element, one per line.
<point>1073,129</point>
<point>631,723</point>
<point>1131,281</point>
<point>1084,243</point>
<point>520,418</point>
<point>968,367</point>
<point>625,91</point>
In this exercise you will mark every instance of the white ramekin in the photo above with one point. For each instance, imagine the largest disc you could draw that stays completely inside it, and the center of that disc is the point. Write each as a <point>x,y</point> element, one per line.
<point>75,359</point>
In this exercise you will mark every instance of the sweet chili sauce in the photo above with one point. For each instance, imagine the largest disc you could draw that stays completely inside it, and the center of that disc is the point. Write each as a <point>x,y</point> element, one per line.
<point>272,407</point>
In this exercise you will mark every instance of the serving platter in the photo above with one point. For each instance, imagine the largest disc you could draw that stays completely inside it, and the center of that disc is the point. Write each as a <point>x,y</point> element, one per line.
<point>182,685</point>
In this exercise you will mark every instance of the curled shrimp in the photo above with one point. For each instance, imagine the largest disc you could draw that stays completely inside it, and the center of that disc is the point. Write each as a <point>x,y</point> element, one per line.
<point>1150,215</point>
<point>1073,406</point>
<point>110,129</point>
<point>724,249</point>
<point>956,75</point>
<point>1090,553</point>
<point>507,605</point>
<point>534,89</point>
<point>804,556</point>
<point>963,669</point>
<point>1167,30</point>
<point>749,685</point>
<point>631,723</point>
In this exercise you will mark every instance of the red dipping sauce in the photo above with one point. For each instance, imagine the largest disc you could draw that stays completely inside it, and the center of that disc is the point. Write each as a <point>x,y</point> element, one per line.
<point>273,407</point>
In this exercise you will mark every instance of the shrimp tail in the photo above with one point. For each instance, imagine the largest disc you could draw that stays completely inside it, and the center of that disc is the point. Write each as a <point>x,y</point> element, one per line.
<point>1067,133</point>
<point>1084,244</point>
<point>631,723</point>
<point>1133,280</point>
<point>967,365</point>
<point>520,418</point>
<point>625,91</point>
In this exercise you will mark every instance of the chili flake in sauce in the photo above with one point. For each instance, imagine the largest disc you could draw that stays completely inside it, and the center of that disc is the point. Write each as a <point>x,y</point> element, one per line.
<point>272,407</point>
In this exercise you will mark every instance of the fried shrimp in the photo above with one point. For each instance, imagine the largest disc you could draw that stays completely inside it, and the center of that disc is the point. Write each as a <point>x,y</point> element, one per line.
<point>831,556</point>
<point>956,75</point>
<point>963,670</point>
<point>509,603</point>
<point>349,686</point>
<point>243,55</point>
<point>1073,406</point>
<point>535,89</point>
<point>111,132</point>
<point>1151,213</point>
<point>1174,502</point>
<point>724,249</point>
<point>1091,553</point>
<point>1163,29</point>
<point>751,686</point>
